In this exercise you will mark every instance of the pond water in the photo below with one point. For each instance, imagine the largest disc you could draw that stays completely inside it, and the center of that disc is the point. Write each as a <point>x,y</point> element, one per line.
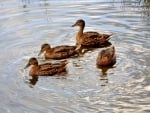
<point>26,24</point>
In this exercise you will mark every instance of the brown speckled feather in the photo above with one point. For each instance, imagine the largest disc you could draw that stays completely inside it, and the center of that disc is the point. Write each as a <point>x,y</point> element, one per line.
<point>93,38</point>
<point>48,69</point>
<point>54,69</point>
<point>63,48</point>
<point>89,38</point>
<point>58,52</point>
<point>106,57</point>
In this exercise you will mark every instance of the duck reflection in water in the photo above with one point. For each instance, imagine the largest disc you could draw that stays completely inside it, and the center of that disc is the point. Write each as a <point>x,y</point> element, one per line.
<point>105,60</point>
<point>104,70</point>
<point>33,81</point>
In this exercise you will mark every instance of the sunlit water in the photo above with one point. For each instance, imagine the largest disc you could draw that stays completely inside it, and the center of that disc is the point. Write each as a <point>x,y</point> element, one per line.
<point>26,24</point>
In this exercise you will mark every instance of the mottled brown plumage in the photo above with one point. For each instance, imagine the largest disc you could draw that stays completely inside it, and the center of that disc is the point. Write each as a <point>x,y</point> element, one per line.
<point>89,38</point>
<point>106,57</point>
<point>47,69</point>
<point>58,52</point>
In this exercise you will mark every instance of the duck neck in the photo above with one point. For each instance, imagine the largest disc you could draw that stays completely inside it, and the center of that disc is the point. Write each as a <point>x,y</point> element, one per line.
<point>49,50</point>
<point>34,69</point>
<point>35,66</point>
<point>80,32</point>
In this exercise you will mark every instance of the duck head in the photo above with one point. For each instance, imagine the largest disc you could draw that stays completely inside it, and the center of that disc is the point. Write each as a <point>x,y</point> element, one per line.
<point>80,23</point>
<point>32,61</point>
<point>44,48</point>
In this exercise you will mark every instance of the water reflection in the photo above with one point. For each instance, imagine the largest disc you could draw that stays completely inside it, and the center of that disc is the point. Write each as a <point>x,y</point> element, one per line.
<point>33,81</point>
<point>27,3</point>
<point>104,74</point>
<point>144,4</point>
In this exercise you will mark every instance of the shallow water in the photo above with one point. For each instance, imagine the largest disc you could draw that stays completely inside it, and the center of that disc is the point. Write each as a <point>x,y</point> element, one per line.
<point>26,24</point>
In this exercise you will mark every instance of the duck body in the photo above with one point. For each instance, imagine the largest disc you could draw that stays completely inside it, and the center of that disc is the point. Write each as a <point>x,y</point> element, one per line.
<point>90,38</point>
<point>106,57</point>
<point>47,69</point>
<point>58,52</point>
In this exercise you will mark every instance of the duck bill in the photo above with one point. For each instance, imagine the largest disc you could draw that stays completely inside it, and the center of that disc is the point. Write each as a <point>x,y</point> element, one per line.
<point>73,25</point>
<point>27,66</point>
<point>40,53</point>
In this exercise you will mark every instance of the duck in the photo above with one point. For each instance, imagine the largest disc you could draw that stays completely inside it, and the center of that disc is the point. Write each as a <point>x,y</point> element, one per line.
<point>106,57</point>
<point>58,52</point>
<point>46,69</point>
<point>90,38</point>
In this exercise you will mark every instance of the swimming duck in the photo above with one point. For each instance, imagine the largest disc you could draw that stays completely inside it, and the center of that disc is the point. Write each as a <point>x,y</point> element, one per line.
<point>106,57</point>
<point>89,38</point>
<point>58,52</point>
<point>45,69</point>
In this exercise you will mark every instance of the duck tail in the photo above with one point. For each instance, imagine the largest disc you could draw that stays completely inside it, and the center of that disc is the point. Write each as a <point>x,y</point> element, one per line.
<point>64,62</point>
<point>108,36</point>
<point>78,47</point>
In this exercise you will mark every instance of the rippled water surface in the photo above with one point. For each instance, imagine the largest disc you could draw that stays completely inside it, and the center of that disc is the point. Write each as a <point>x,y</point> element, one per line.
<point>26,24</point>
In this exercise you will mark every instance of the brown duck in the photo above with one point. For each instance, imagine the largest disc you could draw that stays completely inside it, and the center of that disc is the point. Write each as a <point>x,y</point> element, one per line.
<point>58,52</point>
<point>106,57</point>
<point>89,38</point>
<point>45,69</point>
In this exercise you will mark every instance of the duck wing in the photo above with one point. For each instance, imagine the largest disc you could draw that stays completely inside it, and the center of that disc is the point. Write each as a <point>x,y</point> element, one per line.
<point>53,68</point>
<point>63,48</point>
<point>94,37</point>
<point>45,66</point>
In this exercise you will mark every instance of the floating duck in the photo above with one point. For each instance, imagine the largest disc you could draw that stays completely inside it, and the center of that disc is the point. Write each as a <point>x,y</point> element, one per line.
<point>45,69</point>
<point>90,38</point>
<point>58,52</point>
<point>106,57</point>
